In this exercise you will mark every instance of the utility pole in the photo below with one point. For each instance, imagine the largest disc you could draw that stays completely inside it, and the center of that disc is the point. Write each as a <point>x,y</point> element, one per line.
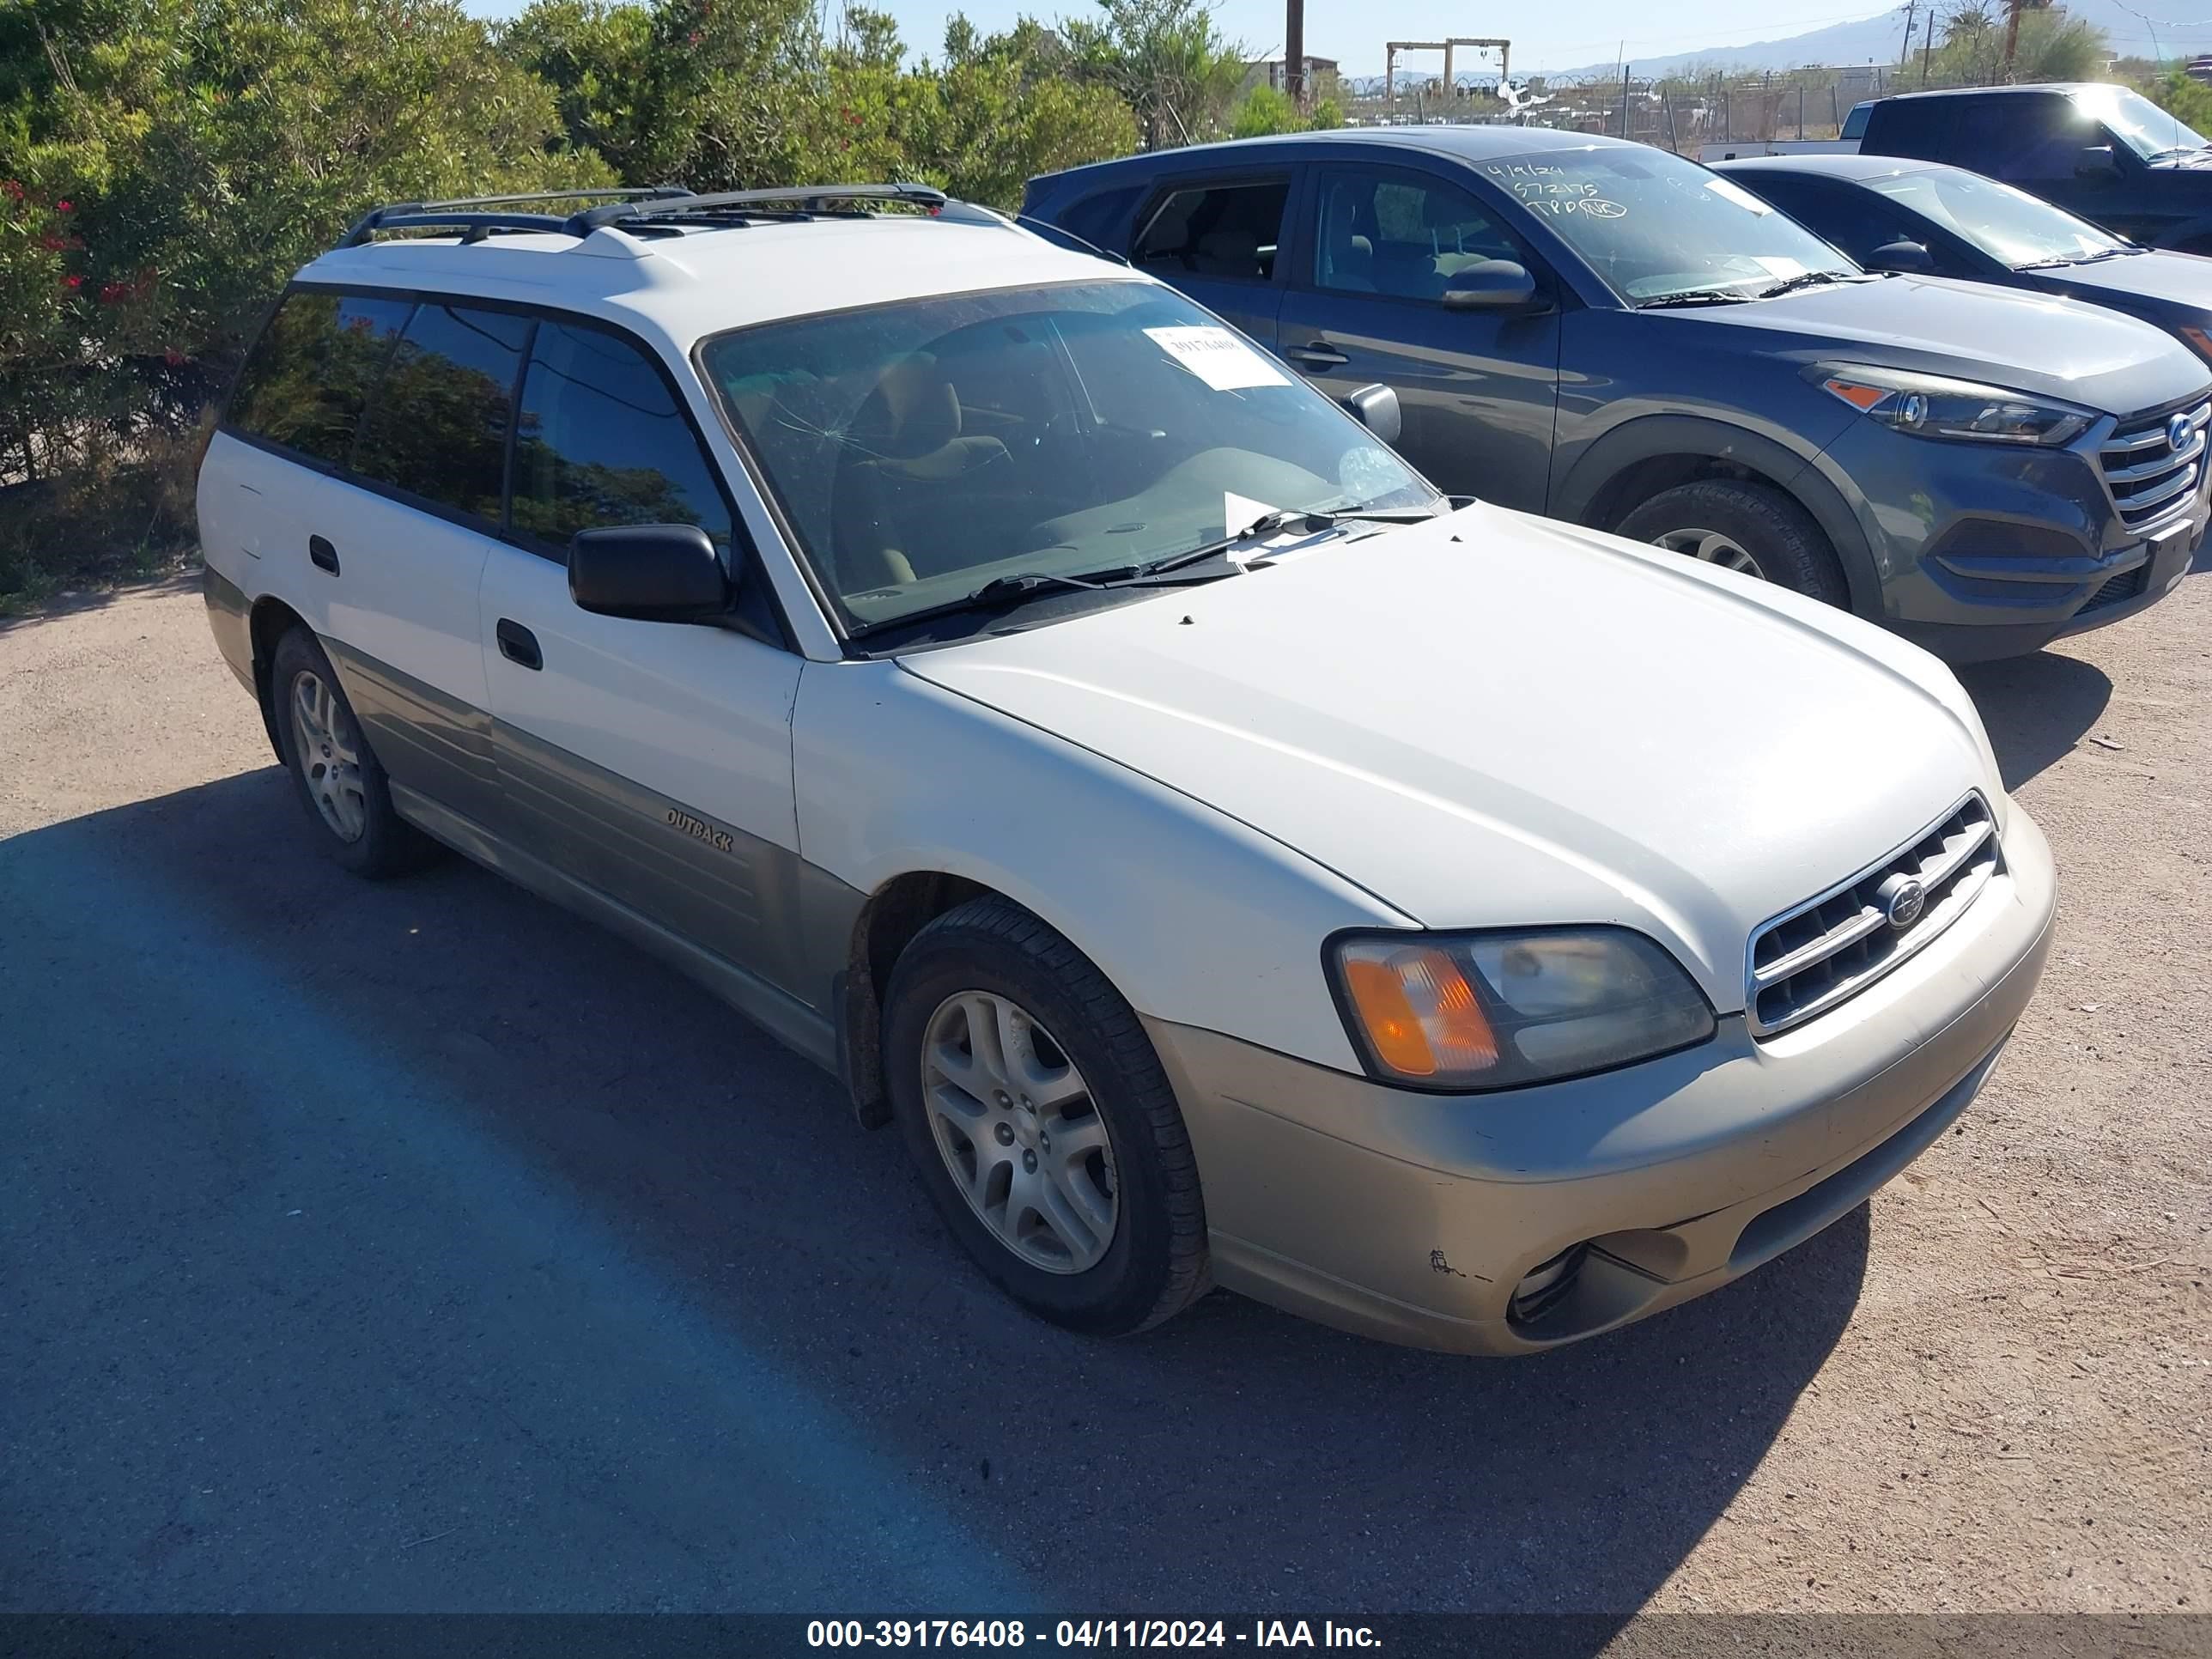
<point>2012,34</point>
<point>1904,51</point>
<point>1294,52</point>
<point>1927,49</point>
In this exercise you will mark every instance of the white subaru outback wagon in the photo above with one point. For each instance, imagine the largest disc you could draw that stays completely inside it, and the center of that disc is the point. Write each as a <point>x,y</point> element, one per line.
<point>1227,860</point>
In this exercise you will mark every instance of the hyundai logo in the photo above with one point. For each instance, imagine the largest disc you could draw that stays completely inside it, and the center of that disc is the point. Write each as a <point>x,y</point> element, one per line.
<point>2178,432</point>
<point>1902,898</point>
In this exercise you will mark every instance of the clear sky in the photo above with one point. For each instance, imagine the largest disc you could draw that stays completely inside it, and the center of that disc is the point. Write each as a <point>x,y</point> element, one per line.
<point>1561,37</point>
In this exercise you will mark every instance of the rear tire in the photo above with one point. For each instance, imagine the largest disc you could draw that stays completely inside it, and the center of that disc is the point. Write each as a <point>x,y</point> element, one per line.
<point>1743,526</point>
<point>336,775</point>
<point>987,1007</point>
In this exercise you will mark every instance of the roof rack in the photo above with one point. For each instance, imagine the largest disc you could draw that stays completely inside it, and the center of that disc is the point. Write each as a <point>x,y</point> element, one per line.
<point>728,203</point>
<point>660,210</point>
<point>482,216</point>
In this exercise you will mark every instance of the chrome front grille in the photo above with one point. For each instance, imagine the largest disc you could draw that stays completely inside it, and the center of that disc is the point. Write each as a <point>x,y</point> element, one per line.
<point>2153,478</point>
<point>1828,950</point>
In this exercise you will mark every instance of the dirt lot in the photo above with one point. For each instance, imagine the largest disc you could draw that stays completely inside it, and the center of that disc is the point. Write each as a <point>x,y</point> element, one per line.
<point>418,1247</point>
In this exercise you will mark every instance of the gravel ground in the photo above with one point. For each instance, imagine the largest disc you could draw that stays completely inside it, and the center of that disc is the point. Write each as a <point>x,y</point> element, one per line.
<point>418,1247</point>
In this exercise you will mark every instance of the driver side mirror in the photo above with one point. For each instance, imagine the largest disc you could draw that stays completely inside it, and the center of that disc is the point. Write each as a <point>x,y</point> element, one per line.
<point>1903,254</point>
<point>2096,164</point>
<point>649,573</point>
<point>1500,285</point>
<point>1376,408</point>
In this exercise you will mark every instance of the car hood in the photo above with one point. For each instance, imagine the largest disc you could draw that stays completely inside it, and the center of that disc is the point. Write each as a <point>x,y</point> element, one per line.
<point>2178,279</point>
<point>2024,340</point>
<point>1493,720</point>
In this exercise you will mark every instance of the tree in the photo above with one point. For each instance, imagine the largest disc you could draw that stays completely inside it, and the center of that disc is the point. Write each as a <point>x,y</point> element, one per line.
<point>1166,60</point>
<point>168,163</point>
<point>2053,46</point>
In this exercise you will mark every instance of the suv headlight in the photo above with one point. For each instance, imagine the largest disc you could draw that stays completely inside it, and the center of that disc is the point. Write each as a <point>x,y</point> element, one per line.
<point>1929,406</point>
<point>1496,1009</point>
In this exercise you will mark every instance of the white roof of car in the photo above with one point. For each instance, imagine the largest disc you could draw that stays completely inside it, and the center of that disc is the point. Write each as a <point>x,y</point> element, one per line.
<point>710,278</point>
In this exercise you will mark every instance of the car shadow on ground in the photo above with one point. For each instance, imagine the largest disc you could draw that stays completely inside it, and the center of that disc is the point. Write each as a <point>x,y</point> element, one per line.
<point>402,1143</point>
<point>2036,709</point>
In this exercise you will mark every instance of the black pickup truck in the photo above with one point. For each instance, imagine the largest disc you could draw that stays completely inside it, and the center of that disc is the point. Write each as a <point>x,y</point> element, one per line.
<point>2104,152</point>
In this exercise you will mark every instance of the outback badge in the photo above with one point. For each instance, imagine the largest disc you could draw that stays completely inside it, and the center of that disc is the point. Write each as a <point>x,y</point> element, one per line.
<point>717,839</point>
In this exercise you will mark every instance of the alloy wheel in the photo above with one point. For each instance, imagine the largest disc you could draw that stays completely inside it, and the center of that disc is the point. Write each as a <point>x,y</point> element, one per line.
<point>1713,546</point>
<point>330,755</point>
<point>1019,1132</point>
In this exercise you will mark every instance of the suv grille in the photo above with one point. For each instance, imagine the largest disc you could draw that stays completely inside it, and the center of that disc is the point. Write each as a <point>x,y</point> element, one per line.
<point>2152,478</point>
<point>1807,960</point>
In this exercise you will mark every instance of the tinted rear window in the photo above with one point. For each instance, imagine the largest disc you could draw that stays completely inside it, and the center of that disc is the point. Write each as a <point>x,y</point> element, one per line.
<point>310,374</point>
<point>438,426</point>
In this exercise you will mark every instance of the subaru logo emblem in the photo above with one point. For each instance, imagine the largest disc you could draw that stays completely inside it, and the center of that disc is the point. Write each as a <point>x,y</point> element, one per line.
<point>1902,898</point>
<point>2178,433</point>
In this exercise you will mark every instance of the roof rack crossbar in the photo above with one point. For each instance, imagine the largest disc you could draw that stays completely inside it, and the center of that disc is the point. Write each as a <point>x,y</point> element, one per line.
<point>478,225</point>
<point>794,198</point>
<point>613,192</point>
<point>474,211</point>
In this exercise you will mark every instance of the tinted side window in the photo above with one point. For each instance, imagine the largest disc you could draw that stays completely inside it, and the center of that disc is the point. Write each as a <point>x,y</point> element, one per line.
<point>438,426</point>
<point>309,375</point>
<point>2020,138</point>
<point>1854,219</point>
<point>1854,124</point>
<point>1401,236</point>
<point>601,441</point>
<point>1216,230</point>
<point>1910,126</point>
<point>1103,220</point>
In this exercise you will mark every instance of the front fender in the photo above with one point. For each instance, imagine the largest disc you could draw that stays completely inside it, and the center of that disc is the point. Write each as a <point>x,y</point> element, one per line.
<point>1579,497</point>
<point>1195,917</point>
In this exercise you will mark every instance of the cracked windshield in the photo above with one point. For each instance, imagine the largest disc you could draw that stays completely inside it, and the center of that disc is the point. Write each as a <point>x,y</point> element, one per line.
<point>921,448</point>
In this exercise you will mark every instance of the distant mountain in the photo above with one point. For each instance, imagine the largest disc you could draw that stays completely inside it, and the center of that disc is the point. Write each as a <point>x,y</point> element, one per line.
<point>1870,40</point>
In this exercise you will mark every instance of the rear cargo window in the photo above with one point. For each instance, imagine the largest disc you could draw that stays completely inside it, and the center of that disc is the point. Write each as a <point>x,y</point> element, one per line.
<point>310,374</point>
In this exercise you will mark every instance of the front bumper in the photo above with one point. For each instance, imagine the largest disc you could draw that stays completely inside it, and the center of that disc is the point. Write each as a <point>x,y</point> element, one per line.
<point>1980,552</point>
<point>1412,1217</point>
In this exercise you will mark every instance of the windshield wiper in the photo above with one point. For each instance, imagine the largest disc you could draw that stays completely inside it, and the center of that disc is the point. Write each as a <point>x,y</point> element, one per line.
<point>2076,259</point>
<point>1269,524</point>
<point>998,593</point>
<point>1803,279</point>
<point>1697,296</point>
<point>1004,593</point>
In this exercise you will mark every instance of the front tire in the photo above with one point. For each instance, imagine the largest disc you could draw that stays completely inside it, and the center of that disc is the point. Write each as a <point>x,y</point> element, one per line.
<point>1743,526</point>
<point>336,775</point>
<point>1038,1116</point>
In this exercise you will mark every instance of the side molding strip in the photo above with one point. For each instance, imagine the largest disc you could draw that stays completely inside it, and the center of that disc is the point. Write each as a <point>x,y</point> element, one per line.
<point>786,1018</point>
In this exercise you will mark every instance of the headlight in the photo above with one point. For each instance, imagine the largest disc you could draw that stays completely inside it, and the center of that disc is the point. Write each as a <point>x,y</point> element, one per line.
<point>1929,406</point>
<point>1493,1010</point>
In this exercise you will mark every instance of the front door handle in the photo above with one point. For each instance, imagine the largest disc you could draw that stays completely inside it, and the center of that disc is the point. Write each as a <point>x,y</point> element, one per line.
<point>519,645</point>
<point>1317,354</point>
<point>322,554</point>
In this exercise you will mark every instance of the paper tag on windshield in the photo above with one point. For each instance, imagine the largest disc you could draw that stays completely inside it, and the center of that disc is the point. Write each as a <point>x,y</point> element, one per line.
<point>1779,265</point>
<point>1216,357</point>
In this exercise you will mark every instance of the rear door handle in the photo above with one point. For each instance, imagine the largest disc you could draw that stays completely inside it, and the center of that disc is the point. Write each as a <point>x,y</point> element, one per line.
<point>1318,355</point>
<point>322,554</point>
<point>519,645</point>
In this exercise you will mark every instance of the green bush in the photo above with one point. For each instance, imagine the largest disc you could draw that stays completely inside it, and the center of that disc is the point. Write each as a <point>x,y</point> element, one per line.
<point>166,164</point>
